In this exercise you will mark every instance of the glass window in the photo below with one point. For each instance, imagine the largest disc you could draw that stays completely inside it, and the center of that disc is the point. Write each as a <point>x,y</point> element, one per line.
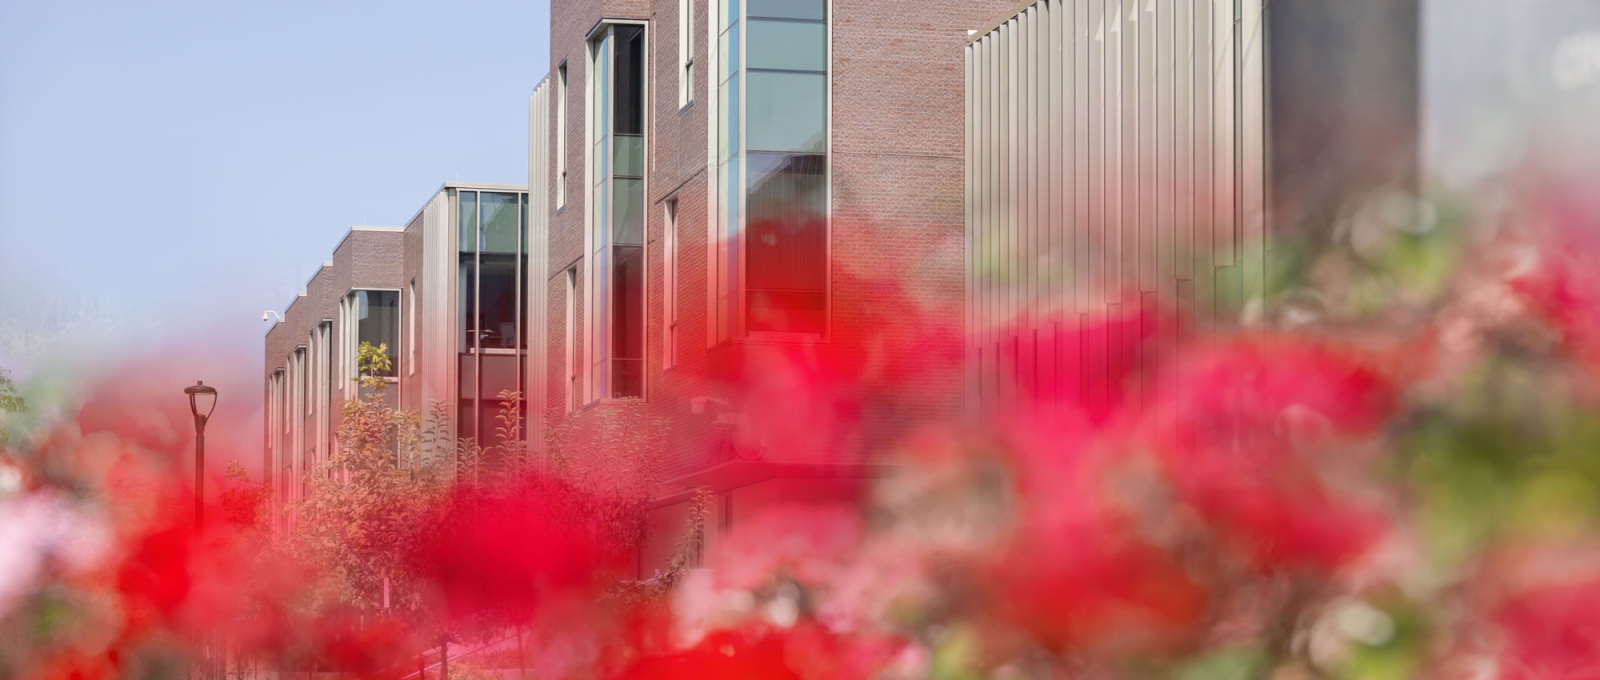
<point>467,298</point>
<point>786,112</point>
<point>728,10</point>
<point>467,221</point>
<point>499,214</point>
<point>497,306</point>
<point>787,243</point>
<point>788,45</point>
<point>629,212</point>
<point>629,153</point>
<point>630,75</point>
<point>788,9</point>
<point>561,135</point>
<point>786,185</point>
<point>627,340</point>
<point>377,314</point>
<point>522,341</point>
<point>615,308</point>
<point>467,387</point>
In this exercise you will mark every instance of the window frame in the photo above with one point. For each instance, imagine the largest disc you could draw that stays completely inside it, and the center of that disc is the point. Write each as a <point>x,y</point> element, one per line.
<point>411,327</point>
<point>738,332</point>
<point>593,393</point>
<point>572,387</point>
<point>519,351</point>
<point>686,45</point>
<point>352,339</point>
<point>561,136</point>
<point>669,284</point>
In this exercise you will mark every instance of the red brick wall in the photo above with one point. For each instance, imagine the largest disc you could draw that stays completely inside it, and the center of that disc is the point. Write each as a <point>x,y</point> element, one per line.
<point>897,143</point>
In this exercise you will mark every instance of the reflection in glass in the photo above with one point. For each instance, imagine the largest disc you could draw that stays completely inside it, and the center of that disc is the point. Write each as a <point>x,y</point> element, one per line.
<point>786,112</point>
<point>497,306</point>
<point>467,296</point>
<point>627,330</point>
<point>499,374</point>
<point>788,9</point>
<point>522,204</point>
<point>467,387</point>
<point>788,45</point>
<point>629,220</point>
<point>499,214</point>
<point>378,323</point>
<point>629,153</point>
<point>630,77</point>
<point>787,243</point>
<point>467,221</point>
<point>728,10</point>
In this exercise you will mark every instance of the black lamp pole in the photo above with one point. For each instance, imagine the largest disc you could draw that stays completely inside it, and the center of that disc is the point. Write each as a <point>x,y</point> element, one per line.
<point>200,391</point>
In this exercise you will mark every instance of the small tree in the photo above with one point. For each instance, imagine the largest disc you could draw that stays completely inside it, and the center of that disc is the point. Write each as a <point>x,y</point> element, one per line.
<point>362,515</point>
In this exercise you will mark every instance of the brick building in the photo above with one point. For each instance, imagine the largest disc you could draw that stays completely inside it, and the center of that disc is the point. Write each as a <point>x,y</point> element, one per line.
<point>445,294</point>
<point>711,182</point>
<point>729,179</point>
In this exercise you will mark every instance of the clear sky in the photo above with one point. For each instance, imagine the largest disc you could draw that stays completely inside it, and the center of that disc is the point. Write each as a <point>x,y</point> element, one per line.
<point>170,169</point>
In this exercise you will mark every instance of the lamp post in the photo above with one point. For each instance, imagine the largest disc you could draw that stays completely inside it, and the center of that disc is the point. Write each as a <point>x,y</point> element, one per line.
<point>200,394</point>
<point>204,396</point>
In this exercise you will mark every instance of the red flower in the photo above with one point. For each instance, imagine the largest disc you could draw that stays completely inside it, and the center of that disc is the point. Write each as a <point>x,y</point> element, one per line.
<point>1248,431</point>
<point>1552,631</point>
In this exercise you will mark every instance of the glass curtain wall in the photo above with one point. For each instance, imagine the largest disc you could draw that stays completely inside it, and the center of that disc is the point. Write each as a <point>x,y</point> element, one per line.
<point>490,277</point>
<point>772,169</point>
<point>616,302</point>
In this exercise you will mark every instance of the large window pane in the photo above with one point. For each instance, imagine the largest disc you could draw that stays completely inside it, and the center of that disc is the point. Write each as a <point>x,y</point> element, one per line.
<point>786,112</point>
<point>499,373</point>
<point>629,152</point>
<point>467,221</point>
<point>628,227</point>
<point>787,244</point>
<point>786,311</point>
<point>466,295</point>
<point>785,185</point>
<point>630,80</point>
<point>728,10</point>
<point>788,9</point>
<point>627,347</point>
<point>466,387</point>
<point>788,45</point>
<point>522,200</point>
<point>378,323</point>
<point>497,311</point>
<point>499,214</point>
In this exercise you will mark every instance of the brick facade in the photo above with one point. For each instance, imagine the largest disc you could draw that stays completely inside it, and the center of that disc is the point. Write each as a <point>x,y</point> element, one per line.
<point>896,158</point>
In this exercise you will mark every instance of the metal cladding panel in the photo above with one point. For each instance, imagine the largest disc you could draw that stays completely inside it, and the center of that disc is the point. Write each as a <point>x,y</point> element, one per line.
<point>1115,167</point>
<point>541,188</point>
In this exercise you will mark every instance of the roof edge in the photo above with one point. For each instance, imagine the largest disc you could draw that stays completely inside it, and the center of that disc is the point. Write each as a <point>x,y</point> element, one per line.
<point>1010,14</point>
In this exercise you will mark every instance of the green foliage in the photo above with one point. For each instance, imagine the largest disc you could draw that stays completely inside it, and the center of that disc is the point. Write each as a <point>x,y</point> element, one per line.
<point>10,402</point>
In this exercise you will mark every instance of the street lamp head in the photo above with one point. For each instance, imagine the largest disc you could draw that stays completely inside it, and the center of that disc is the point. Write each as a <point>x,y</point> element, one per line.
<point>201,394</point>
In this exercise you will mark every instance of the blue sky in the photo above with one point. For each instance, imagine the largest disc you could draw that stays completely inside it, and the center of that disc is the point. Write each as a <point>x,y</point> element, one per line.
<point>168,170</point>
